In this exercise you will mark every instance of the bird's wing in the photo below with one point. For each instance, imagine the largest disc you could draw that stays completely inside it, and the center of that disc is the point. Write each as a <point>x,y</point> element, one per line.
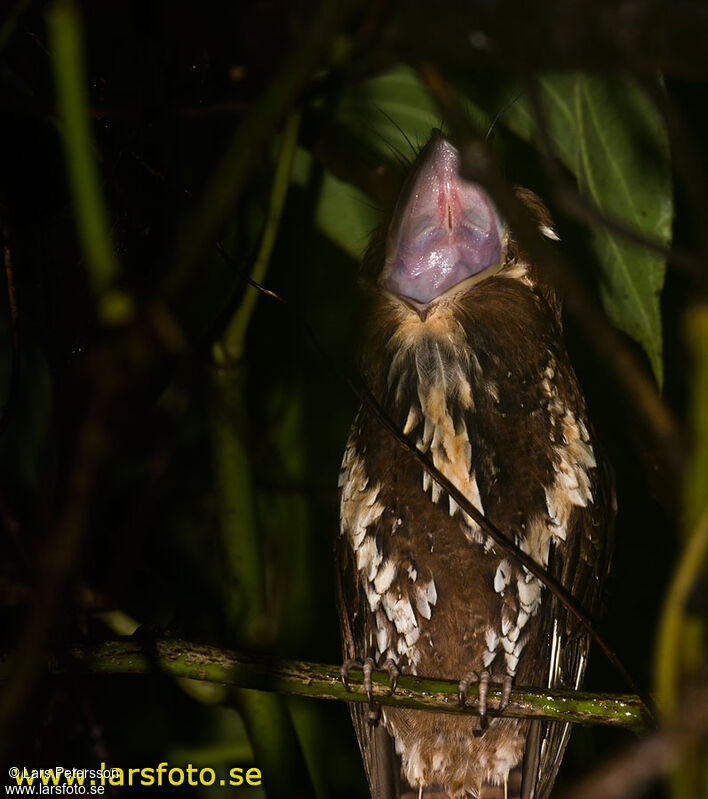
<point>381,764</point>
<point>581,564</point>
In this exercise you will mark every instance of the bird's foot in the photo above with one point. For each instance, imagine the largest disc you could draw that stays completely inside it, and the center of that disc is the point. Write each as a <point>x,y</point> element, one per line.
<point>368,667</point>
<point>484,679</point>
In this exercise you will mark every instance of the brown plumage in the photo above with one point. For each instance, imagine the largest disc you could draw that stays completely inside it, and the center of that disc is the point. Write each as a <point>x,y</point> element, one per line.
<point>463,347</point>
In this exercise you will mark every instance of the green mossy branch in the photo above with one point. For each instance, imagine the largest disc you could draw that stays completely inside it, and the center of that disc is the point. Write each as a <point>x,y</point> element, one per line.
<point>322,681</point>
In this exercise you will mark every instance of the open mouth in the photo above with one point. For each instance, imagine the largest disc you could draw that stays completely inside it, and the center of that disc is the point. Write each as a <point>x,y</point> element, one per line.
<point>445,230</point>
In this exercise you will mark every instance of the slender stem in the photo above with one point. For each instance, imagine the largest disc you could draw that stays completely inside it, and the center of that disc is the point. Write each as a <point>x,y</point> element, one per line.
<point>230,423</point>
<point>696,478</point>
<point>90,210</point>
<point>234,338</point>
<point>669,645</point>
<point>322,681</point>
<point>679,654</point>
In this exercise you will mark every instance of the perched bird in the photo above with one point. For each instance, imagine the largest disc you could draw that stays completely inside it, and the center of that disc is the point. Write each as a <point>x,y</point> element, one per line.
<point>463,348</point>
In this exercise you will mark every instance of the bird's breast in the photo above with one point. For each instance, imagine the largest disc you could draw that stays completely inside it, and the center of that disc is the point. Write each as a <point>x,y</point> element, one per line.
<point>498,425</point>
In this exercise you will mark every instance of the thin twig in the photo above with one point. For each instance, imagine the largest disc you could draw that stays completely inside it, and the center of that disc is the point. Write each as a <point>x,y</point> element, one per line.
<point>323,681</point>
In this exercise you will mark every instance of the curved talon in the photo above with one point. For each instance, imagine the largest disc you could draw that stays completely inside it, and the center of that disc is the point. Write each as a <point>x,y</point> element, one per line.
<point>465,683</point>
<point>347,666</point>
<point>506,681</point>
<point>484,678</point>
<point>393,674</point>
<point>368,667</point>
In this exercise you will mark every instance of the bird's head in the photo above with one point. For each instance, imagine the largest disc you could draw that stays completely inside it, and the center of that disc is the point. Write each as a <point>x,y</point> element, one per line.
<point>445,236</point>
<point>445,233</point>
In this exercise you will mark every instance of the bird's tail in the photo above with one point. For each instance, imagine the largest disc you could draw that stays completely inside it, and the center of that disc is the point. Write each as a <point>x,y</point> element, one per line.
<point>511,789</point>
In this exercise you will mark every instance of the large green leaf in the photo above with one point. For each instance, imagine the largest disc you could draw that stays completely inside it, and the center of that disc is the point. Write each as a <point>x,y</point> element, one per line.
<point>344,214</point>
<point>608,133</point>
<point>630,183</point>
<point>393,112</point>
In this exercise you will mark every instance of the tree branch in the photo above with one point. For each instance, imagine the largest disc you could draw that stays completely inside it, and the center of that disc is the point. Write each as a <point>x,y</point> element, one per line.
<point>322,681</point>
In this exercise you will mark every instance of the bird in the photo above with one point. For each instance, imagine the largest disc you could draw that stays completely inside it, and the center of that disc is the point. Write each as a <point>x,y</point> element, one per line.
<point>462,348</point>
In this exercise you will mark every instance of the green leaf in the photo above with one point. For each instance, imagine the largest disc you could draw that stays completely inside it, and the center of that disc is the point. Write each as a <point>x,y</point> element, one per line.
<point>344,214</point>
<point>393,112</point>
<point>608,133</point>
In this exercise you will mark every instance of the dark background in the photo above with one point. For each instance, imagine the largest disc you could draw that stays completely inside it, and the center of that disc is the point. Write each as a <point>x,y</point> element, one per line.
<point>169,85</point>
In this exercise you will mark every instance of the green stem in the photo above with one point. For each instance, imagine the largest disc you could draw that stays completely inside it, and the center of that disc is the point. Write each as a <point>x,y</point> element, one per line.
<point>235,490</point>
<point>670,647</point>
<point>271,733</point>
<point>235,496</point>
<point>696,482</point>
<point>115,306</point>
<point>233,340</point>
<point>679,649</point>
<point>314,680</point>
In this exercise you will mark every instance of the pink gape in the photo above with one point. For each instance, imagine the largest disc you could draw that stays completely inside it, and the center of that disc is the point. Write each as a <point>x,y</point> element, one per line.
<point>444,229</point>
